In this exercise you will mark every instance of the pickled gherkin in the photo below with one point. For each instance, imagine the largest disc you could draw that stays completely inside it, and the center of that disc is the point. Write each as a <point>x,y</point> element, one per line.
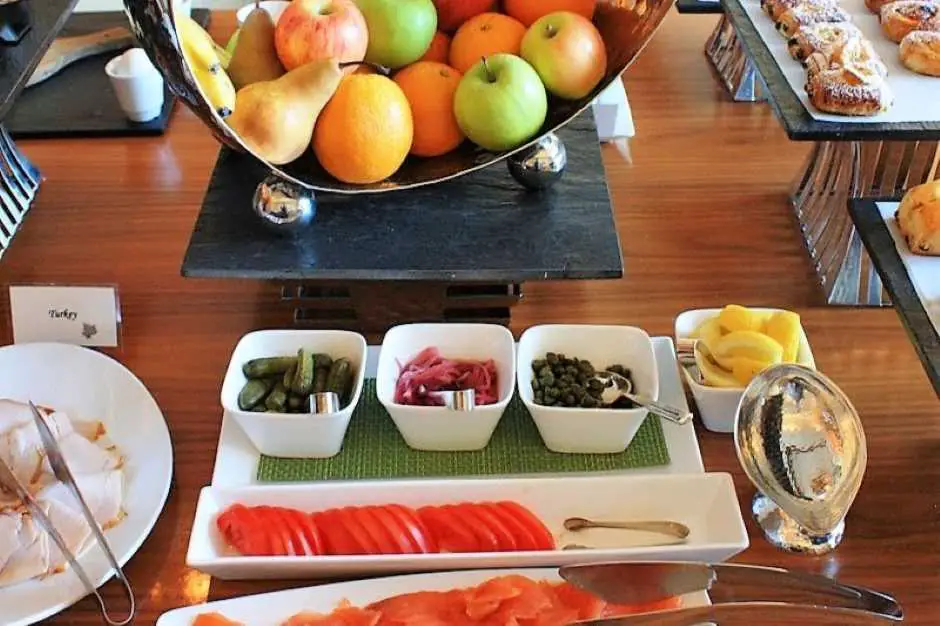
<point>253,393</point>
<point>303,377</point>
<point>270,366</point>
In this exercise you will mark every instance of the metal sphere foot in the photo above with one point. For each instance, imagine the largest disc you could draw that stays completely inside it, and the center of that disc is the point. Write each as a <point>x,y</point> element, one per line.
<point>783,532</point>
<point>541,165</point>
<point>284,207</point>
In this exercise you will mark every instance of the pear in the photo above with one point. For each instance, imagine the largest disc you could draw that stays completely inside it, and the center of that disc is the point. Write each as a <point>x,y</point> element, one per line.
<point>254,58</point>
<point>276,118</point>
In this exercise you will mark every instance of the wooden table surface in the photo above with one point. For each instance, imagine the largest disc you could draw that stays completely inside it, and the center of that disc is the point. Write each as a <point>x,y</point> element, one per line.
<point>704,221</point>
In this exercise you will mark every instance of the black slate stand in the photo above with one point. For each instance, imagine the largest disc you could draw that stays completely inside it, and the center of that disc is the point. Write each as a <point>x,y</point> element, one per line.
<point>457,251</point>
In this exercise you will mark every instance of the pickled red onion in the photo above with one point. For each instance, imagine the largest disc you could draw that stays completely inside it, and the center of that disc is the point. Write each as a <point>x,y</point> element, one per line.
<point>429,371</point>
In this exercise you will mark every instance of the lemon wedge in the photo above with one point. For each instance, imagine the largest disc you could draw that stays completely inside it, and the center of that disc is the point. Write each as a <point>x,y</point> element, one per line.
<point>734,318</point>
<point>714,375</point>
<point>784,327</point>
<point>747,344</point>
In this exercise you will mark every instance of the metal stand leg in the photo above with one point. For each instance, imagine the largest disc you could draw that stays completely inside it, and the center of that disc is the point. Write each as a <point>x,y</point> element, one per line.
<point>734,67</point>
<point>835,172</point>
<point>19,182</point>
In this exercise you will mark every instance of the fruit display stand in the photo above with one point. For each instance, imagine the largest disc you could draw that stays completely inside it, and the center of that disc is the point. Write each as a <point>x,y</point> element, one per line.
<point>848,160</point>
<point>455,251</point>
<point>726,55</point>
<point>19,179</point>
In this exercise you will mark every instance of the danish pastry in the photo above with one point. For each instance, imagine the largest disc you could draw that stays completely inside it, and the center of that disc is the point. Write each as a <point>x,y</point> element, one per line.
<point>875,5</point>
<point>899,19</point>
<point>857,91</point>
<point>920,52</point>
<point>824,38</point>
<point>856,53</point>
<point>776,8</point>
<point>807,13</point>
<point>918,218</point>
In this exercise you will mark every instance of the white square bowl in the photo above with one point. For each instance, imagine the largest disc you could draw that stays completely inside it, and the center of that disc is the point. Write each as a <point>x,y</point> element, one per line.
<point>437,428</point>
<point>577,430</point>
<point>717,406</point>
<point>292,435</point>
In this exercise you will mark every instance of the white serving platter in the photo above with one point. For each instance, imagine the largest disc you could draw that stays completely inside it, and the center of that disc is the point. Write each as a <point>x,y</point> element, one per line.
<point>923,270</point>
<point>91,386</point>
<point>706,503</point>
<point>272,609</point>
<point>236,461</point>
<point>915,96</point>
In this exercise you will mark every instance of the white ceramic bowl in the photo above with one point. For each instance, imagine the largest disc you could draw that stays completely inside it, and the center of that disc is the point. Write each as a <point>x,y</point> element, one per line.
<point>437,428</point>
<point>273,7</point>
<point>288,435</point>
<point>576,430</point>
<point>717,406</point>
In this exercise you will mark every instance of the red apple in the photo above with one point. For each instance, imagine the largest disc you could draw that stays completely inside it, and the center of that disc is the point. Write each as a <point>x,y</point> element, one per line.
<point>452,13</point>
<point>567,52</point>
<point>312,30</point>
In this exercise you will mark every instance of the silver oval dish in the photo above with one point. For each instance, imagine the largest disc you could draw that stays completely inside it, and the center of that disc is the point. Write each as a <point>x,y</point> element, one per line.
<point>625,25</point>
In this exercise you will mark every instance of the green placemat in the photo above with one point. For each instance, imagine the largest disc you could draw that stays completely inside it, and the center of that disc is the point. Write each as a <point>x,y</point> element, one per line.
<point>374,449</point>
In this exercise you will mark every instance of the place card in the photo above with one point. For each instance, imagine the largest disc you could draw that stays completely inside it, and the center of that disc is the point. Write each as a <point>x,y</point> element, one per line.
<point>80,315</point>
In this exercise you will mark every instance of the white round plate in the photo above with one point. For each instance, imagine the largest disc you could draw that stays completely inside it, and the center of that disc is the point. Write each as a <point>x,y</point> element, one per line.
<point>91,386</point>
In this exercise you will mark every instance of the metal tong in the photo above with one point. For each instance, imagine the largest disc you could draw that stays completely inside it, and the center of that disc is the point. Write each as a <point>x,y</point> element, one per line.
<point>741,595</point>
<point>61,471</point>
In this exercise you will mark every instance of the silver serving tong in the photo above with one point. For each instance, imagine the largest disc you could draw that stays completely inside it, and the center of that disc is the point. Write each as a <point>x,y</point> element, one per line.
<point>63,474</point>
<point>738,592</point>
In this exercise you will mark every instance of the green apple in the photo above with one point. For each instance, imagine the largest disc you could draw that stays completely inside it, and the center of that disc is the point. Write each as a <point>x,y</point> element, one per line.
<point>500,103</point>
<point>400,31</point>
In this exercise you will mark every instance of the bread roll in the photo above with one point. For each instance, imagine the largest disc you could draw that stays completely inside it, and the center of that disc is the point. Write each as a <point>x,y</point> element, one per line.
<point>919,218</point>
<point>901,18</point>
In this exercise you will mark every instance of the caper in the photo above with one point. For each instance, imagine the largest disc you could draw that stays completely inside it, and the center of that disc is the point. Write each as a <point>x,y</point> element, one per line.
<point>538,364</point>
<point>595,385</point>
<point>545,371</point>
<point>588,402</point>
<point>551,358</point>
<point>535,384</point>
<point>569,400</point>
<point>539,398</point>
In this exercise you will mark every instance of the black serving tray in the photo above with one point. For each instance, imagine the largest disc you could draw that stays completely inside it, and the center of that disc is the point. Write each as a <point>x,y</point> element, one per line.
<point>796,120</point>
<point>479,227</point>
<point>696,7</point>
<point>884,254</point>
<point>79,101</point>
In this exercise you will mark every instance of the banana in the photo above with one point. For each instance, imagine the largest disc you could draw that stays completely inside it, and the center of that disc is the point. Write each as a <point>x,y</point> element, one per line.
<point>200,52</point>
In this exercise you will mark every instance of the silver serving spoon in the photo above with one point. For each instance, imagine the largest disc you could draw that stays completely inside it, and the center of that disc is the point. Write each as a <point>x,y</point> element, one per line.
<point>673,529</point>
<point>617,386</point>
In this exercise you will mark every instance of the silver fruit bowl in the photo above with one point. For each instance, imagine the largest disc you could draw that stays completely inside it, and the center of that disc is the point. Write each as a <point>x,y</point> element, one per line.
<point>625,25</point>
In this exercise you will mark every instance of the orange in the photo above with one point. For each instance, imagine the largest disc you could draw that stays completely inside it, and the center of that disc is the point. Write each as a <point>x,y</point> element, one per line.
<point>364,133</point>
<point>482,36</point>
<point>430,89</point>
<point>528,11</point>
<point>439,50</point>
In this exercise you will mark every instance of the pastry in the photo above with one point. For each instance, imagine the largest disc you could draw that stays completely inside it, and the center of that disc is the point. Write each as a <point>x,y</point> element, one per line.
<point>855,52</point>
<point>856,90</point>
<point>919,218</point>
<point>808,13</point>
<point>875,5</point>
<point>920,52</point>
<point>824,38</point>
<point>776,8</point>
<point>899,19</point>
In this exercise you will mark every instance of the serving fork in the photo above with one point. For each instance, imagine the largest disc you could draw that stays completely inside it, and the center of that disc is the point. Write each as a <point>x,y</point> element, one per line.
<point>62,472</point>
<point>741,595</point>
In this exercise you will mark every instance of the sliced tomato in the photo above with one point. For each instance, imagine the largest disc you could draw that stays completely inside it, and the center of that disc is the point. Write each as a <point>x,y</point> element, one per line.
<point>243,531</point>
<point>525,540</point>
<point>274,526</point>
<point>337,539</point>
<point>450,536</point>
<point>486,536</point>
<point>310,532</point>
<point>505,538</point>
<point>383,528</point>
<point>543,536</point>
<point>352,519</point>
<point>298,545</point>
<point>424,540</point>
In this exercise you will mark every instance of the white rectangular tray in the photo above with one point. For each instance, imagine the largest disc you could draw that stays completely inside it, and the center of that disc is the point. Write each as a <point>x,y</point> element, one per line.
<point>923,270</point>
<point>272,609</point>
<point>915,96</point>
<point>706,503</point>
<point>236,461</point>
